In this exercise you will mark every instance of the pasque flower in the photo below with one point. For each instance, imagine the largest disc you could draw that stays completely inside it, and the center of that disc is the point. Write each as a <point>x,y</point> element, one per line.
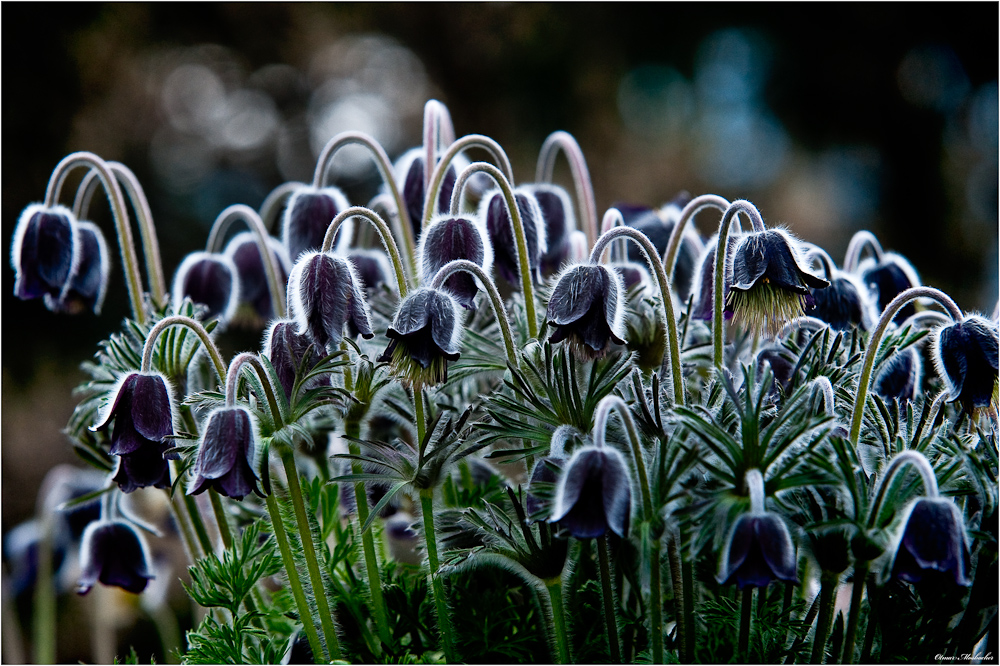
<point>843,304</point>
<point>286,349</point>
<point>114,554</point>
<point>88,281</point>
<point>225,455</point>
<point>44,251</point>
<point>899,377</point>
<point>887,278</point>
<point>557,214</point>
<point>449,238</point>
<point>424,336</point>
<point>308,214</point>
<point>658,225</point>
<point>409,169</point>
<point>493,210</point>
<point>587,306</point>
<point>208,279</point>
<point>254,292</point>
<point>594,494</point>
<point>933,544</point>
<point>325,293</point>
<point>373,267</point>
<point>965,354</point>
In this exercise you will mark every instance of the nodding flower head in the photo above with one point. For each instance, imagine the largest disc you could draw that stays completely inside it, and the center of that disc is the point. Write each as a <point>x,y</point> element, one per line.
<point>560,223</point>
<point>843,305</point>
<point>594,494</point>
<point>759,550</point>
<point>143,414</point>
<point>226,455</point>
<point>899,377</point>
<point>965,354</point>
<point>113,553</point>
<point>447,239</point>
<point>933,546</point>
<point>254,291</point>
<point>374,269</point>
<point>208,279</point>
<point>544,476</point>
<point>324,294</point>
<point>887,278</point>
<point>588,307</point>
<point>409,170</point>
<point>493,210</point>
<point>88,282</point>
<point>44,252</point>
<point>286,349</point>
<point>703,288</point>
<point>770,286</point>
<point>658,225</point>
<point>308,214</point>
<point>424,336</point>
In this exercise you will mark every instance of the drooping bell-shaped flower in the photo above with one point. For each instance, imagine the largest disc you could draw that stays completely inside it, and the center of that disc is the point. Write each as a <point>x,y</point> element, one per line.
<point>254,291</point>
<point>113,553</point>
<point>933,544</point>
<point>226,455</point>
<point>594,494</point>
<point>770,286</point>
<point>587,306</point>
<point>899,377</point>
<point>44,251</point>
<point>449,238</point>
<point>424,336</point>
<point>557,214</point>
<point>88,281</point>
<point>545,473</point>
<point>965,354</point>
<point>208,279</point>
<point>493,210</point>
<point>703,287</point>
<point>843,305</point>
<point>325,293</point>
<point>374,269</point>
<point>658,225</point>
<point>286,349</point>
<point>781,361</point>
<point>307,215</point>
<point>409,170</point>
<point>886,279</point>
<point>759,550</point>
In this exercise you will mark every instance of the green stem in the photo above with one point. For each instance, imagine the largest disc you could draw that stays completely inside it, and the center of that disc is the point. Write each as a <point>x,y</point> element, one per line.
<point>908,457</point>
<point>179,320</point>
<point>198,524</point>
<point>859,241</point>
<point>437,586</point>
<point>581,176</point>
<point>607,594</point>
<point>656,599</point>
<point>693,207</point>
<point>179,510</point>
<point>866,649</point>
<point>687,585</point>
<point>860,574</point>
<point>601,415</point>
<point>305,614</point>
<point>554,587</point>
<point>309,551</point>
<point>44,616</point>
<point>746,607</point>
<point>232,378</point>
<point>221,519</point>
<point>827,592</point>
<point>865,380</point>
<point>418,413</point>
<point>384,233</point>
<point>437,177</point>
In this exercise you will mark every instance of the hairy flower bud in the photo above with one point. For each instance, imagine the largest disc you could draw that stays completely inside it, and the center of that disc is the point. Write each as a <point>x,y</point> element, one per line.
<point>965,354</point>
<point>254,291</point>
<point>493,209</point>
<point>759,550</point>
<point>325,293</point>
<point>226,455</point>
<point>307,216</point>
<point>208,279</point>
<point>424,336</point>
<point>113,553</point>
<point>557,214</point>
<point>588,307</point>
<point>449,238</point>
<point>933,544</point>
<point>594,494</point>
<point>44,251</point>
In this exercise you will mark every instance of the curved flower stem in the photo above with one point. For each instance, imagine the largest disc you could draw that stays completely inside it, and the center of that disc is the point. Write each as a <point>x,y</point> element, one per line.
<point>180,320</point>
<point>147,229</point>
<point>859,241</point>
<point>811,323</point>
<point>130,262</point>
<point>825,260</point>
<point>755,489</point>
<point>247,214</point>
<point>221,519</point>
<point>383,231</point>
<point>865,380</point>
<point>746,605</point>
<point>607,594</point>
<point>298,593</point>
<point>692,208</point>
<point>823,386</point>
<point>405,230</point>
<point>851,633</point>
<point>581,176</point>
<point>233,376</point>
<point>829,582</point>
<point>438,130</point>
<point>437,586</point>
<point>669,322</point>
<point>554,587</point>
<point>721,250</point>
<point>275,201</point>
<point>180,514</point>
<point>464,265</point>
<point>518,228</point>
<point>437,177</point>
<point>910,457</point>
<point>309,551</point>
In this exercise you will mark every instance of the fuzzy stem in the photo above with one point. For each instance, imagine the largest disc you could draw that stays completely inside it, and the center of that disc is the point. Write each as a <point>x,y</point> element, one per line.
<point>221,519</point>
<point>827,591</point>
<point>275,201</point>
<point>222,223</point>
<point>385,169</point>
<point>746,606</point>
<point>854,615</point>
<point>690,626</point>
<point>656,602</point>
<point>130,261</point>
<point>305,615</point>
<point>755,487</point>
<point>437,586</point>
<point>693,207</point>
<point>190,505</point>
<point>232,380</point>
<point>437,178</point>
<point>825,261</point>
<point>309,551</point>
<point>865,380</point>
<point>496,301</point>
<point>859,241</point>
<point>179,511</point>
<point>822,385</point>
<point>721,250</point>
<point>180,320</point>
<point>581,176</point>
<point>554,587</point>
<point>666,300</point>
<point>610,616</point>
<point>384,234</point>
<point>44,615</point>
<point>902,458</point>
<point>518,231</point>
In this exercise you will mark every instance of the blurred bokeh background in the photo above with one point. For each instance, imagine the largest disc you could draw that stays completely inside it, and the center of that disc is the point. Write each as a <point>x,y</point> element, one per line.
<point>831,118</point>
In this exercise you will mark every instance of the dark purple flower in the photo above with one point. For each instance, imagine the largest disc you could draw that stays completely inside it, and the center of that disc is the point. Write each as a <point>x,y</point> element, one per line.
<point>759,550</point>
<point>546,473</point>
<point>842,305</point>
<point>113,553</point>
<point>286,349</point>
<point>208,279</point>
<point>88,282</point>
<point>44,251</point>
<point>424,336</point>
<point>965,354</point>
<point>557,213</point>
<point>781,361</point>
<point>254,291</point>
<point>21,549</point>
<point>657,226</point>
<point>225,455</point>
<point>899,377</point>
<point>308,214</point>
<point>588,307</point>
<point>500,229</point>
<point>374,269</point>
<point>594,494</point>
<point>887,279</point>
<point>447,239</point>
<point>933,545</point>
<point>325,293</point>
<point>409,169</point>
<point>703,303</point>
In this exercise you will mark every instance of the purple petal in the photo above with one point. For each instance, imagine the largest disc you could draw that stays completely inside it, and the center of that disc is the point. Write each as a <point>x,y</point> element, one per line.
<point>151,408</point>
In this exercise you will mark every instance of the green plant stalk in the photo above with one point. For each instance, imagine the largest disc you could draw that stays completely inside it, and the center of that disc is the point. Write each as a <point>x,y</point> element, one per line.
<point>221,519</point>
<point>179,510</point>
<point>437,586</point>
<point>554,587</point>
<point>607,594</point>
<point>586,205</point>
<point>384,233</point>
<point>44,617</point>
<point>866,649</point>
<point>180,320</point>
<point>656,601</point>
<point>441,168</point>
<point>305,615</point>
<point>746,607</point>
<point>827,591</point>
<point>309,551</point>
<point>687,585</point>
<point>692,208</point>
<point>188,506</point>
<point>854,616</point>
